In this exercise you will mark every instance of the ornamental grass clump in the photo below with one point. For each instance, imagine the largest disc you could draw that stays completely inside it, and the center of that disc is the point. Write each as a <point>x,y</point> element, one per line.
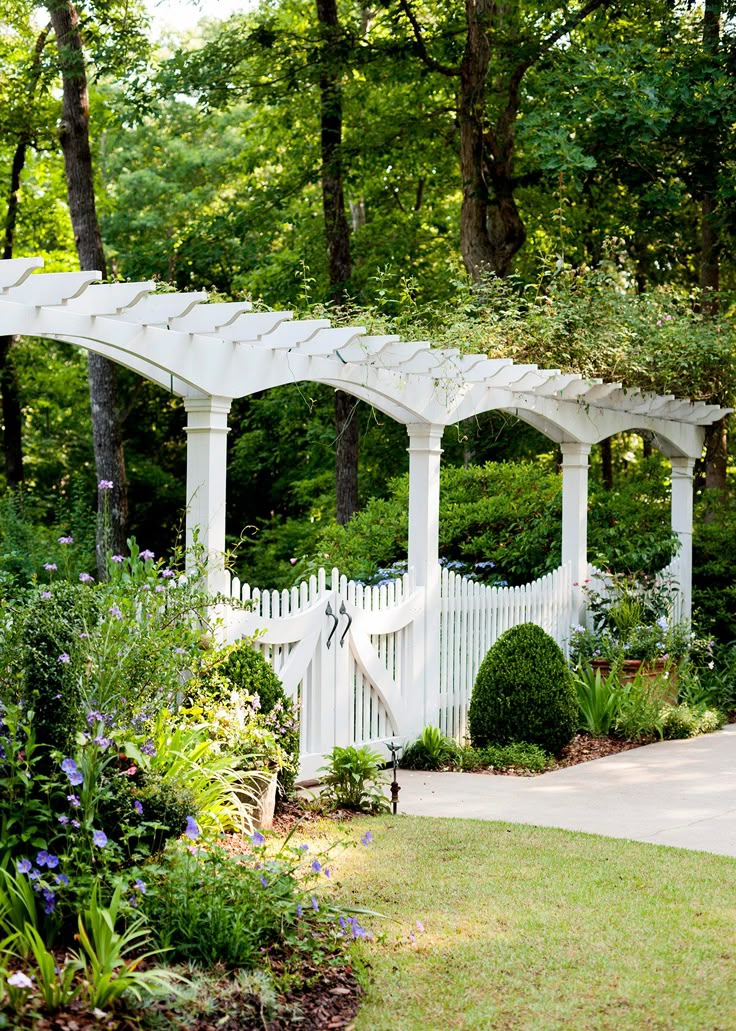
<point>523,692</point>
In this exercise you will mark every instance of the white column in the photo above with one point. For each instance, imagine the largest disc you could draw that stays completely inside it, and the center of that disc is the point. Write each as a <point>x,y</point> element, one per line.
<point>424,527</point>
<point>575,460</point>
<point>682,525</point>
<point>207,432</point>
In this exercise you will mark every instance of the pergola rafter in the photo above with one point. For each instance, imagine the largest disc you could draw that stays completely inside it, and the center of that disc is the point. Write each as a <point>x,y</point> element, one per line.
<point>209,354</point>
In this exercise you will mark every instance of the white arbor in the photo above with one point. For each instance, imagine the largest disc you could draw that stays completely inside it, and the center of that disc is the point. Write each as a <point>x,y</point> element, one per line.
<point>210,354</point>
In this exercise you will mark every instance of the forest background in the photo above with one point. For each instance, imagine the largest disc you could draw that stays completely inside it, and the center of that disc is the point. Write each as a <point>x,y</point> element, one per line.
<point>549,182</point>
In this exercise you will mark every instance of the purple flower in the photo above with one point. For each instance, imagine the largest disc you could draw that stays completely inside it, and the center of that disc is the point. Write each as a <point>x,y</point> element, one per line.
<point>315,904</point>
<point>76,778</point>
<point>73,801</point>
<point>61,878</point>
<point>317,866</point>
<point>328,872</point>
<point>46,595</point>
<point>34,875</point>
<point>24,866</point>
<point>85,578</point>
<point>50,567</point>
<point>66,540</point>
<point>64,659</point>
<point>63,820</point>
<point>114,611</point>
<point>105,485</point>
<point>167,574</point>
<point>303,848</point>
<point>180,651</point>
<point>160,588</point>
<point>257,838</point>
<point>146,555</point>
<point>99,838</point>
<point>45,858</point>
<point>148,747</point>
<point>264,881</point>
<point>117,558</point>
<point>76,824</point>
<point>49,899</point>
<point>83,636</point>
<point>138,807</point>
<point>95,717</point>
<point>299,910</point>
<point>367,838</point>
<point>68,766</point>
<point>103,742</point>
<point>420,926</point>
<point>191,830</point>
<point>141,886</point>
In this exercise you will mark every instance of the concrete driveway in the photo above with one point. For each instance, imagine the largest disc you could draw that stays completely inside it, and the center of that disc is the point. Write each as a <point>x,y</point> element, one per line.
<point>680,793</point>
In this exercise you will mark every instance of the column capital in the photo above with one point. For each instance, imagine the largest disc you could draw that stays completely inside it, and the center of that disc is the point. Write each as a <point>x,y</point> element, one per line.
<point>425,436</point>
<point>575,452</point>
<point>682,467</point>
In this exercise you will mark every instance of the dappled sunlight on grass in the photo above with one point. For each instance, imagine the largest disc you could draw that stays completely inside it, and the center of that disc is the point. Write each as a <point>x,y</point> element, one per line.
<point>530,928</point>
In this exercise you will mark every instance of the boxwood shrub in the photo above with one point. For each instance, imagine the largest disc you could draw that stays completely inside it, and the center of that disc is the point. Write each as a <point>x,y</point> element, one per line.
<point>523,692</point>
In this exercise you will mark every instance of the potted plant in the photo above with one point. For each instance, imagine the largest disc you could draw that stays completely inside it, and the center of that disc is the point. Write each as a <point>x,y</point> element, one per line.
<point>630,630</point>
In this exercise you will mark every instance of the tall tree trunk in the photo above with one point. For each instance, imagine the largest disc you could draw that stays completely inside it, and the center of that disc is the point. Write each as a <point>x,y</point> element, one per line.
<point>9,394</point>
<point>716,435</point>
<point>607,463</point>
<point>12,414</point>
<point>74,136</point>
<point>337,233</point>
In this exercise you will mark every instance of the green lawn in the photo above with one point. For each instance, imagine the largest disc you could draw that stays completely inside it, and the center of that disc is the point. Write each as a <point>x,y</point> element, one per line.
<point>529,928</point>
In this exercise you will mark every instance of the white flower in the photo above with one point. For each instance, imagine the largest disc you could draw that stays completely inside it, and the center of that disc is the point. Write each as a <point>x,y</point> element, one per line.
<point>20,980</point>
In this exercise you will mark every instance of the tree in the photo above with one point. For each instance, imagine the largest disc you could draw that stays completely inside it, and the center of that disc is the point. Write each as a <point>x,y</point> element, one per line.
<point>23,131</point>
<point>502,42</point>
<point>74,138</point>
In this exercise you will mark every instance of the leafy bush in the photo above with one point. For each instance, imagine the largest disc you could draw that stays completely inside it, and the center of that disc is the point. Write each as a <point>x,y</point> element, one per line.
<point>431,751</point>
<point>519,755</point>
<point>683,721</point>
<point>207,906</point>
<point>598,700</point>
<point>353,779</point>
<point>639,714</point>
<point>523,692</point>
<point>237,692</point>
<point>53,623</point>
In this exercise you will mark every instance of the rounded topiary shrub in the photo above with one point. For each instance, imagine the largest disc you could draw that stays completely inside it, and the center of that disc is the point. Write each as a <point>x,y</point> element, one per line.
<point>523,692</point>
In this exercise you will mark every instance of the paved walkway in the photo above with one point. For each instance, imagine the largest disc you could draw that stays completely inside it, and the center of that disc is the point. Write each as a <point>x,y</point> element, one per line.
<point>680,793</point>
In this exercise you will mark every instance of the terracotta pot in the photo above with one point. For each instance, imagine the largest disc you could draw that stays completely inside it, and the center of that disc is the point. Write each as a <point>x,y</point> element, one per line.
<point>661,681</point>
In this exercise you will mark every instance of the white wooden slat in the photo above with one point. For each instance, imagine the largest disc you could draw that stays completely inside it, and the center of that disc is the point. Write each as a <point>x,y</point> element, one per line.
<point>160,309</point>
<point>109,298</point>
<point>14,271</point>
<point>50,288</point>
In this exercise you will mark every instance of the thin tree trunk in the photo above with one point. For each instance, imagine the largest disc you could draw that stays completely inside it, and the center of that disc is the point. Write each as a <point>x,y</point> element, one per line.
<point>12,413</point>
<point>337,232</point>
<point>716,435</point>
<point>74,136</point>
<point>607,463</point>
<point>9,394</point>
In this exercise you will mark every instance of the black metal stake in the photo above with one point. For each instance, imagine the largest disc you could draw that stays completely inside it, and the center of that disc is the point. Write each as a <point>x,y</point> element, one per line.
<point>394,749</point>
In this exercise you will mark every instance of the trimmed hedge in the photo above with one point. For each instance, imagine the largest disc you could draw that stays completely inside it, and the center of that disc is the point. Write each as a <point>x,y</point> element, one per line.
<point>523,692</point>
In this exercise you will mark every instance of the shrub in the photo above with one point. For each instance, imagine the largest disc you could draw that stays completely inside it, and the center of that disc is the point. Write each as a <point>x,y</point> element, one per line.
<point>431,751</point>
<point>53,624</point>
<point>523,692</point>
<point>353,779</point>
<point>598,700</point>
<point>238,681</point>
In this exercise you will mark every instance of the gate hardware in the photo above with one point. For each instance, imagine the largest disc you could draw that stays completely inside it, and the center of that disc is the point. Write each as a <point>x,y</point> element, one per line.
<point>331,614</point>
<point>394,750</point>
<point>344,612</point>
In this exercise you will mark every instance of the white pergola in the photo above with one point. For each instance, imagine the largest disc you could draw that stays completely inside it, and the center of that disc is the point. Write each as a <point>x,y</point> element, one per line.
<point>209,354</point>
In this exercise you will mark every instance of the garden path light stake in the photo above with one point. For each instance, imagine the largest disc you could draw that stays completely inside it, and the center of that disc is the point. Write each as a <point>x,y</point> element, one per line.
<point>394,750</point>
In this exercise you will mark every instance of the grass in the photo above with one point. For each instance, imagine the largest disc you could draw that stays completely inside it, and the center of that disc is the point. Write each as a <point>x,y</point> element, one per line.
<point>530,928</point>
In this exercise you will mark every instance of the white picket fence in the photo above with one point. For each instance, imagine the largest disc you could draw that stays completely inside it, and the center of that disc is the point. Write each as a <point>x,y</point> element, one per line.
<point>345,652</point>
<point>473,617</point>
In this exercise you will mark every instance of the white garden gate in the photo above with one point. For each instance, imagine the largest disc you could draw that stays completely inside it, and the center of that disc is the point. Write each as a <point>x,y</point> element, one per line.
<point>348,654</point>
<point>343,652</point>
